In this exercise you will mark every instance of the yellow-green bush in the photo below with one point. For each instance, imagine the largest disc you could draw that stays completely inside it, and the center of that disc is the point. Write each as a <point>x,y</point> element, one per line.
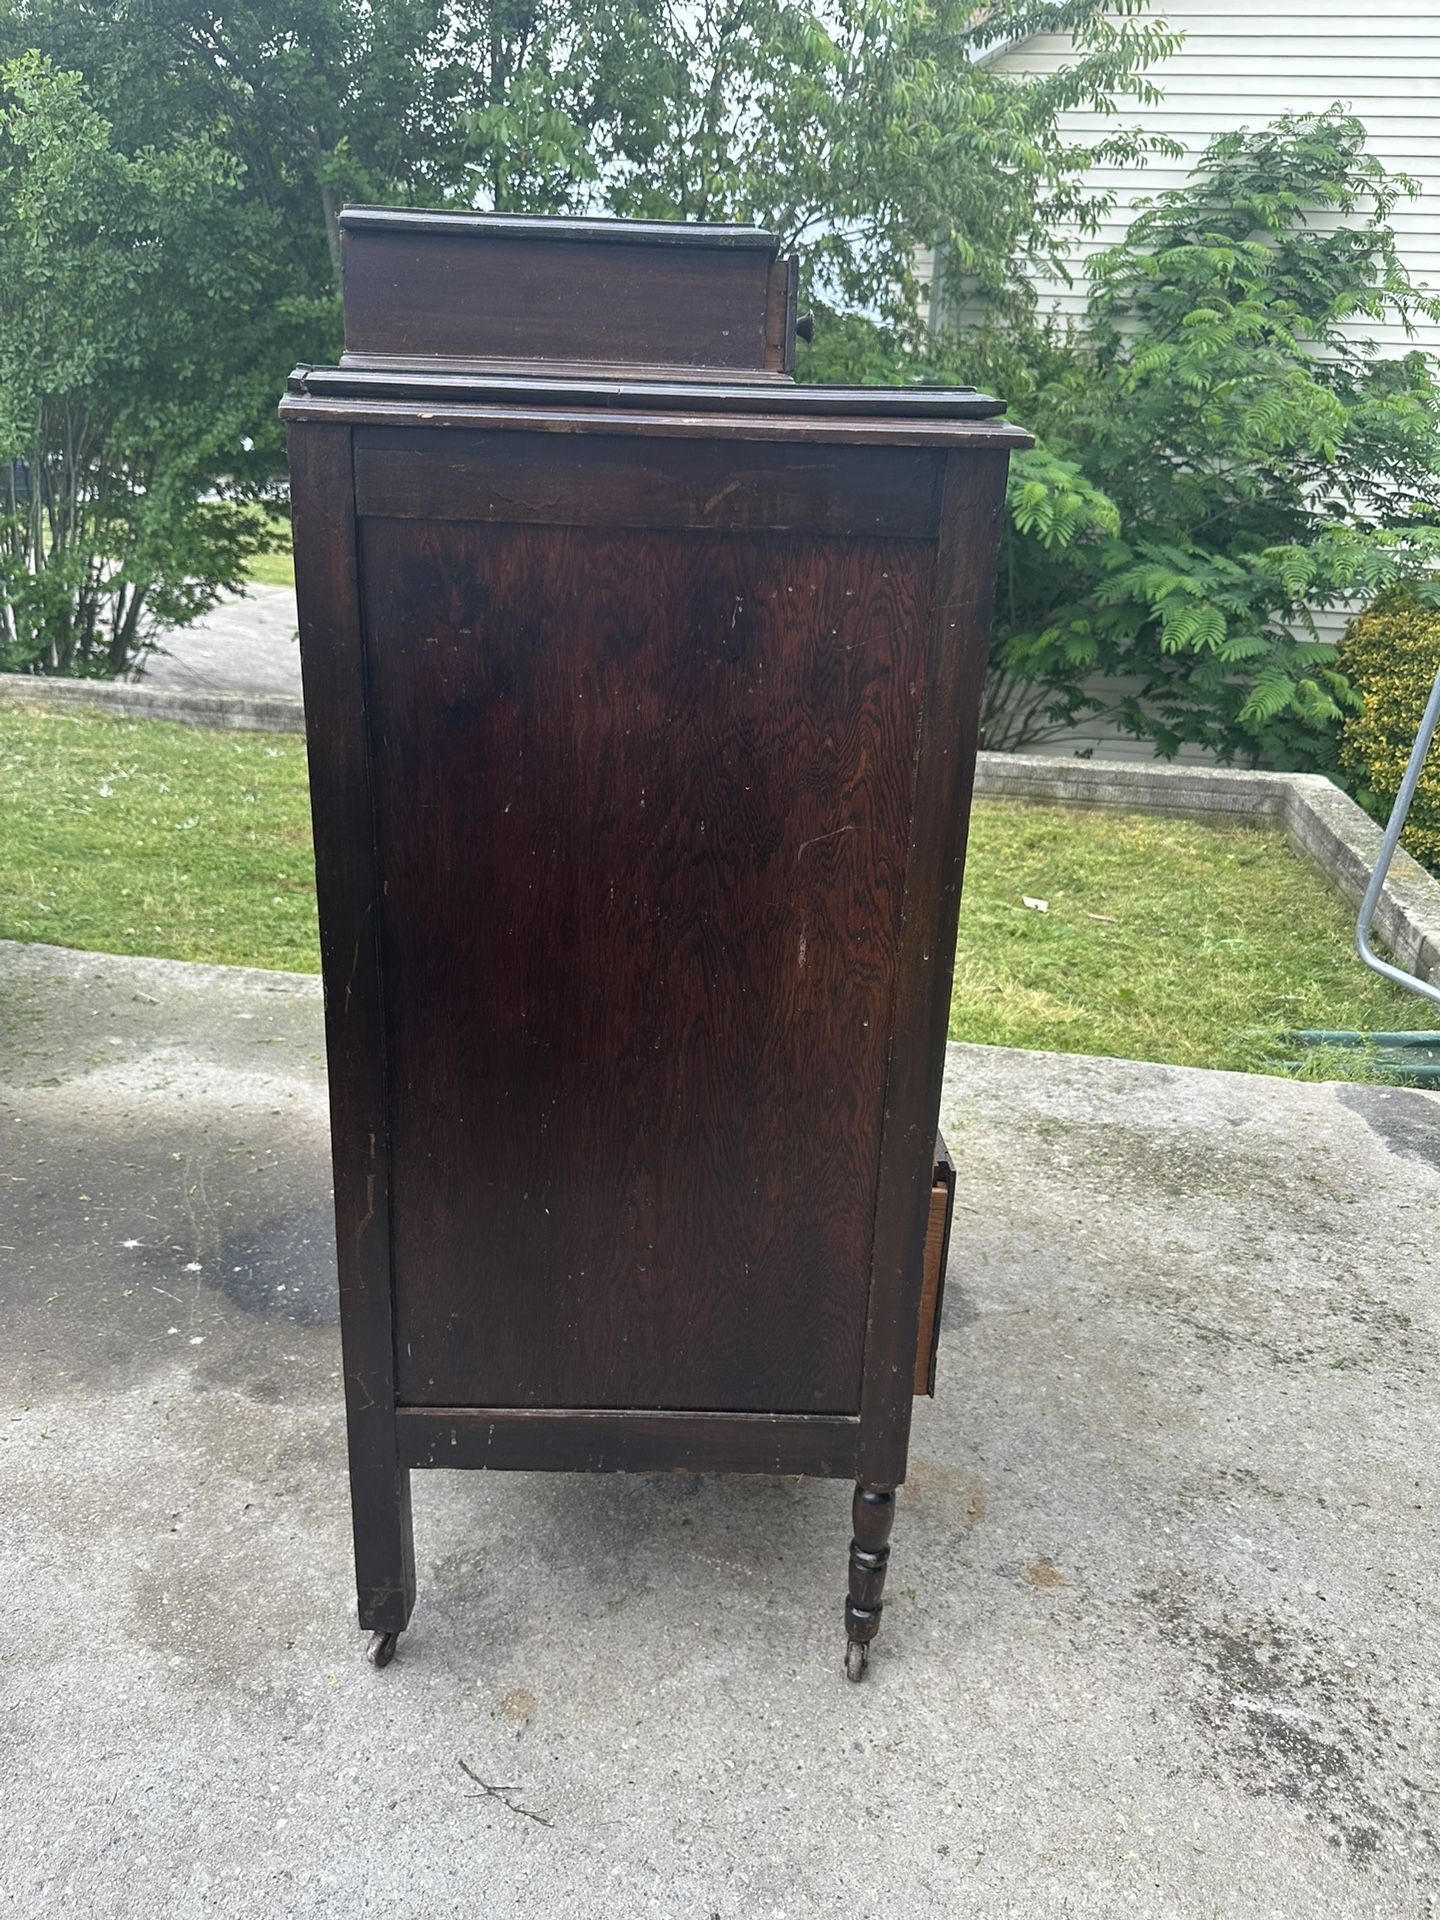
<point>1390,654</point>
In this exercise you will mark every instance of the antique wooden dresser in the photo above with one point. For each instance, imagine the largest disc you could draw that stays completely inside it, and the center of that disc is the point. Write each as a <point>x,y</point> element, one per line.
<point>641,686</point>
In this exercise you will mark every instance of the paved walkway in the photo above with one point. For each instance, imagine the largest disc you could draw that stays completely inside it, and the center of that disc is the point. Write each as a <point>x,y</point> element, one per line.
<point>1163,1634</point>
<point>245,645</point>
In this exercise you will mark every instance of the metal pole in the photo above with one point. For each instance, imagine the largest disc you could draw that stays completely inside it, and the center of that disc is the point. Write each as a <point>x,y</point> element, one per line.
<point>1388,844</point>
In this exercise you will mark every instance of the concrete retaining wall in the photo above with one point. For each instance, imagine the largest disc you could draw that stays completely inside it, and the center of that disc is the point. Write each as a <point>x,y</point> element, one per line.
<point>243,712</point>
<point>1320,821</point>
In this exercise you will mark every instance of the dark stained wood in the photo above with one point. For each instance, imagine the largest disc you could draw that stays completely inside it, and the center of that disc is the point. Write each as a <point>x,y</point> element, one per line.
<point>643,806</point>
<point>779,317</point>
<point>943,434</point>
<point>434,475</point>
<point>579,1441</point>
<point>872,1515</point>
<point>609,294</point>
<point>331,661</point>
<point>460,377</point>
<point>636,391</point>
<point>972,503</point>
<point>642,708</point>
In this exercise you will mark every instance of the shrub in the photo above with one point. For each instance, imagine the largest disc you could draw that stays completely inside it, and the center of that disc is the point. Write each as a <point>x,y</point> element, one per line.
<point>129,379</point>
<point>1390,654</point>
<point>1262,459</point>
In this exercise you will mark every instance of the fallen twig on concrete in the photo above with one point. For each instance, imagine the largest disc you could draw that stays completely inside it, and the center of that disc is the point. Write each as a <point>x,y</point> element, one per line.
<point>502,1794</point>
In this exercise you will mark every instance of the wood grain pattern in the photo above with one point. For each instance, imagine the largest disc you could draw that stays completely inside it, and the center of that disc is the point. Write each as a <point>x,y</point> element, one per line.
<point>585,1441</point>
<point>462,290</point>
<point>700,484</point>
<point>641,690</point>
<point>657,423</point>
<point>347,888</point>
<point>644,807</point>
<point>972,502</point>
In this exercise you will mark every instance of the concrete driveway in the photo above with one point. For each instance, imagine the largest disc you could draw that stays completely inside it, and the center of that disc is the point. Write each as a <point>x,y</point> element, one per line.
<point>248,644</point>
<point>1163,1633</point>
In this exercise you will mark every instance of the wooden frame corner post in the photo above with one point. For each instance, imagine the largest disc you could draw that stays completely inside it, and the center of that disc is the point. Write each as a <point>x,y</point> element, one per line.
<point>332,666</point>
<point>972,500</point>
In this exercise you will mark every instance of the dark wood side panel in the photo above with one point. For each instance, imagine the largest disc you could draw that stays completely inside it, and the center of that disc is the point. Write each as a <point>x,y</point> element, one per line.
<point>327,592</point>
<point>599,482</point>
<point>644,810</point>
<point>972,502</point>
<point>613,1442</point>
<point>443,292</point>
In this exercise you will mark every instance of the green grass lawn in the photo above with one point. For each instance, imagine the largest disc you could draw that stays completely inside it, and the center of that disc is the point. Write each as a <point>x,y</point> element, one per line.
<point>134,836</point>
<point>275,569</point>
<point>1163,939</point>
<point>272,569</point>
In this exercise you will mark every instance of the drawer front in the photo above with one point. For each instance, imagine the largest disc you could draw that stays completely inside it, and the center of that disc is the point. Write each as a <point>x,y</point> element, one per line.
<point>937,1255</point>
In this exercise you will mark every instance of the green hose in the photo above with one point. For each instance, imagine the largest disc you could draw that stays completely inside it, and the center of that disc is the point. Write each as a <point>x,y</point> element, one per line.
<point>1403,1059</point>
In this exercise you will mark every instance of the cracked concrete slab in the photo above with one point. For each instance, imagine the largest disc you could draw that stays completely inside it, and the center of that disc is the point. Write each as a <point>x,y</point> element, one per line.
<point>1162,1630</point>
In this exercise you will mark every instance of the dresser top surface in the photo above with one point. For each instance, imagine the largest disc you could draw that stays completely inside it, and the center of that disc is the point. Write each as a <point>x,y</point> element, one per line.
<point>529,226</point>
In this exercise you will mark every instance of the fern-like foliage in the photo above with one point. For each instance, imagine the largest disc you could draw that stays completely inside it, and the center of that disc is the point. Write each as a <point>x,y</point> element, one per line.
<point>1259,459</point>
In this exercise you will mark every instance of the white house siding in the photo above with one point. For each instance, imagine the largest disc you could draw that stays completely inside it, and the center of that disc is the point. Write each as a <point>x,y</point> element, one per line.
<point>1238,68</point>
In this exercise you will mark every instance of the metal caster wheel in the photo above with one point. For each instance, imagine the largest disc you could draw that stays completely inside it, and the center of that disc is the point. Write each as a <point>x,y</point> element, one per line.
<point>381,1650</point>
<point>857,1658</point>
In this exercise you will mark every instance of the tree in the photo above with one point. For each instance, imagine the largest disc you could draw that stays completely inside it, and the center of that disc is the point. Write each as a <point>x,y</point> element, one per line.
<point>317,103</point>
<point>862,131</point>
<point>127,380</point>
<point>859,130</point>
<point>1259,460</point>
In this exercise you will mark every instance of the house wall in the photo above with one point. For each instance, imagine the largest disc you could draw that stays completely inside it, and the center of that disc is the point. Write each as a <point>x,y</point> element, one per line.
<point>1239,67</point>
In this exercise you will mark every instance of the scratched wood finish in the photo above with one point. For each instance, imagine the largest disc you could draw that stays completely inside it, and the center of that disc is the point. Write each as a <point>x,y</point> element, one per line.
<point>641,689</point>
<point>429,291</point>
<point>570,1441</point>
<point>326,587</point>
<point>644,805</point>
<point>597,481</point>
<point>942,433</point>
<point>972,502</point>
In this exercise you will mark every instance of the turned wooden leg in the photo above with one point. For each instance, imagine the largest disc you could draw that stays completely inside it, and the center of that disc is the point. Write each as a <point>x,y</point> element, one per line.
<point>874,1514</point>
